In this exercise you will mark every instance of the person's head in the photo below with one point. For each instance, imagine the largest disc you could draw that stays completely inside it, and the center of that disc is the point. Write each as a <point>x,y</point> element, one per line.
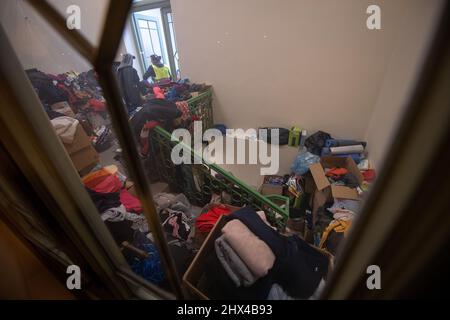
<point>127,60</point>
<point>155,59</point>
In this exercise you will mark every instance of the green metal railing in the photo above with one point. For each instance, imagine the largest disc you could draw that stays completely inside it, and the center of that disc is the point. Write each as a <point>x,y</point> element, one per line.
<point>201,107</point>
<point>200,181</point>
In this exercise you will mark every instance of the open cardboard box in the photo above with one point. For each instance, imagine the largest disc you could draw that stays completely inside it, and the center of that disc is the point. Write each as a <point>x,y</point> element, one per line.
<point>81,151</point>
<point>80,141</point>
<point>325,191</point>
<point>322,183</point>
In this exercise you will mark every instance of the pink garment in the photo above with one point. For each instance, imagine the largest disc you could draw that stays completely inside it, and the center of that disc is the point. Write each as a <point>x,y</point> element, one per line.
<point>255,253</point>
<point>176,227</point>
<point>131,203</point>
<point>109,184</point>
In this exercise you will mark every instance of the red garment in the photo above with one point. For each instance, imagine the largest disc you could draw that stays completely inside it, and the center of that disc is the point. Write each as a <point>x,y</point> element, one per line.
<point>105,184</point>
<point>206,221</point>
<point>97,105</point>
<point>158,92</point>
<point>145,132</point>
<point>336,172</point>
<point>131,203</point>
<point>184,108</point>
<point>368,175</point>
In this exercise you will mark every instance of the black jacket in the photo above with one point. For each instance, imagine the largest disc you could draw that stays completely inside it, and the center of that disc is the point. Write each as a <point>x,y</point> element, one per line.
<point>129,86</point>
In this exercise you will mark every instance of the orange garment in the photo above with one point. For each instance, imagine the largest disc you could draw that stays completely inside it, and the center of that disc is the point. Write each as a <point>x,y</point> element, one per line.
<point>336,172</point>
<point>337,226</point>
<point>103,180</point>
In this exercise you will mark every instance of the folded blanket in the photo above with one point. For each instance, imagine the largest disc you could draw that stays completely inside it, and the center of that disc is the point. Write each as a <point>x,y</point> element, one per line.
<point>233,265</point>
<point>255,253</point>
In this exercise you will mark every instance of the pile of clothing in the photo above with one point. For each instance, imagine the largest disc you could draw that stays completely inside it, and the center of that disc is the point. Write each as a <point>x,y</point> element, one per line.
<point>81,91</point>
<point>115,203</point>
<point>341,177</point>
<point>253,260</point>
<point>182,90</point>
<point>334,222</point>
<point>177,216</point>
<point>73,95</point>
<point>325,228</point>
<point>122,214</point>
<point>160,112</point>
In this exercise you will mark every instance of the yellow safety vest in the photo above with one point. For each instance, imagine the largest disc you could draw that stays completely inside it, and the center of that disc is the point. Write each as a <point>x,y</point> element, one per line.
<point>161,72</point>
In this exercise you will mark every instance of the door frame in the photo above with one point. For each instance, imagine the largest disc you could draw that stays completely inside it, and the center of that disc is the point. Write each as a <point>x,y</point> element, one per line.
<point>139,36</point>
<point>165,8</point>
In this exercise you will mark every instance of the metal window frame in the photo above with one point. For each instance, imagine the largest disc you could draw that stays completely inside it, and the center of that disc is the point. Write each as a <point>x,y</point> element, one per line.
<point>102,58</point>
<point>142,6</point>
<point>139,36</point>
<point>426,104</point>
<point>170,52</point>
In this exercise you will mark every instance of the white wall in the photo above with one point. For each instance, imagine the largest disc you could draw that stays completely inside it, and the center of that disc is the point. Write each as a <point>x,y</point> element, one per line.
<point>401,74</point>
<point>38,45</point>
<point>311,63</point>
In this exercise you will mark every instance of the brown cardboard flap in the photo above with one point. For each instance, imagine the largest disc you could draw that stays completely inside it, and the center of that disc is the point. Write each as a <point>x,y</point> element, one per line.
<point>353,169</point>
<point>319,176</point>
<point>270,189</point>
<point>85,157</point>
<point>196,269</point>
<point>343,192</point>
<point>80,141</point>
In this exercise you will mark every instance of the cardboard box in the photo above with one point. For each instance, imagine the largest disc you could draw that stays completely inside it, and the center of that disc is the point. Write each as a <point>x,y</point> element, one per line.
<point>322,182</point>
<point>324,190</point>
<point>192,275</point>
<point>268,188</point>
<point>80,141</point>
<point>196,269</point>
<point>81,151</point>
<point>85,157</point>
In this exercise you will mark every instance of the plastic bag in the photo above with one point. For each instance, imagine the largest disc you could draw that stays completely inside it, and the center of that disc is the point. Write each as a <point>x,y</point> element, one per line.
<point>302,162</point>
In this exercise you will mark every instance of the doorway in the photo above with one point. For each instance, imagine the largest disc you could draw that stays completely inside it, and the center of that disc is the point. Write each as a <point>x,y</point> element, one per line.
<point>155,34</point>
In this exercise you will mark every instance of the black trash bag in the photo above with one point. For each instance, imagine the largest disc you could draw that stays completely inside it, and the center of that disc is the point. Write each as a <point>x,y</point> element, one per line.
<point>265,135</point>
<point>315,142</point>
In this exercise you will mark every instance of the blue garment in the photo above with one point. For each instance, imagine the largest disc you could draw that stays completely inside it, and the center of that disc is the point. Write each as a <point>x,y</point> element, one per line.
<point>149,268</point>
<point>172,94</point>
<point>355,156</point>
<point>222,128</point>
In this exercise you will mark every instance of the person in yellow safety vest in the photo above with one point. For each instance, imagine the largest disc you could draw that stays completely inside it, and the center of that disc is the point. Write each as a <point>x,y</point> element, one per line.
<point>159,73</point>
